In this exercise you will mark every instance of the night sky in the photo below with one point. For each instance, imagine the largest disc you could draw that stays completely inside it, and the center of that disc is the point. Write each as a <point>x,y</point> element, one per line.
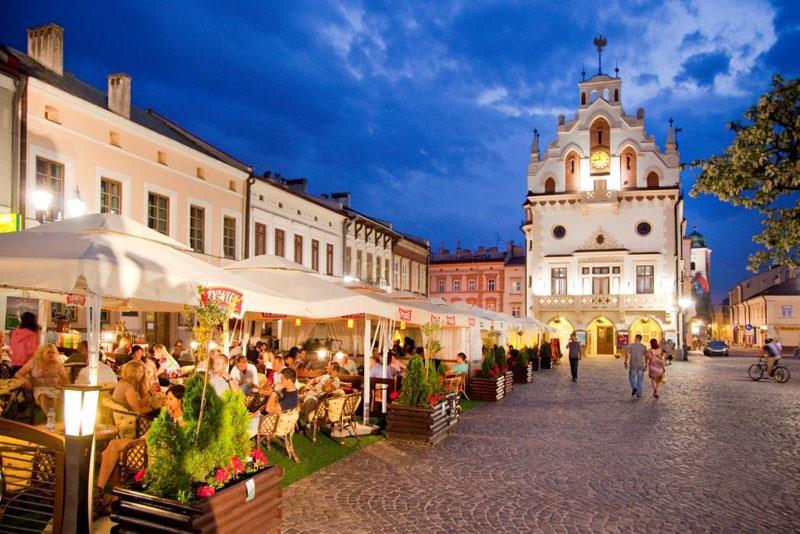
<point>425,112</point>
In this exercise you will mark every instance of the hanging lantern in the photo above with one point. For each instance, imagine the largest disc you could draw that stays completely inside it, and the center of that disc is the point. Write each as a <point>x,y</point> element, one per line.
<point>402,325</point>
<point>350,323</point>
<point>298,322</point>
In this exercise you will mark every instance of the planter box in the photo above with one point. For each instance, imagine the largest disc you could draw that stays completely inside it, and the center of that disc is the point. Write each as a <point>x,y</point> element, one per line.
<point>509,385</point>
<point>535,363</point>
<point>486,389</point>
<point>226,511</point>
<point>545,363</point>
<point>427,425</point>
<point>523,375</point>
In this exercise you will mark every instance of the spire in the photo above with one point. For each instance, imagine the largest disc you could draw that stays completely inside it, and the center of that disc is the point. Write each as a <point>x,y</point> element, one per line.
<point>671,145</point>
<point>600,42</point>
<point>535,145</point>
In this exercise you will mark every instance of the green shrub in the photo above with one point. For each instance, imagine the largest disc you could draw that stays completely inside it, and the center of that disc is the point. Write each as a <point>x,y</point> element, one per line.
<point>533,353</point>
<point>488,365</point>
<point>545,352</point>
<point>500,357</point>
<point>523,358</point>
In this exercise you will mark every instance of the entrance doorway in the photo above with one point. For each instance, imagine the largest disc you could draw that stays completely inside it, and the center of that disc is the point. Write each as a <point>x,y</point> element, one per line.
<point>562,330</point>
<point>601,337</point>
<point>647,328</point>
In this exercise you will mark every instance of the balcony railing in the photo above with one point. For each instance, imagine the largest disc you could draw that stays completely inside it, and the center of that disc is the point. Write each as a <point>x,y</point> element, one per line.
<point>599,196</point>
<point>602,302</point>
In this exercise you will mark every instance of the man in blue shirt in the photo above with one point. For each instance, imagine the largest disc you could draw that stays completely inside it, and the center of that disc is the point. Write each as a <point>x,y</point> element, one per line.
<point>575,352</point>
<point>635,356</point>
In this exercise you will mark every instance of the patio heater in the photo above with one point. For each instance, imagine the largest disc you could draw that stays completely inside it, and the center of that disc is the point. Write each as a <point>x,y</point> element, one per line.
<point>80,412</point>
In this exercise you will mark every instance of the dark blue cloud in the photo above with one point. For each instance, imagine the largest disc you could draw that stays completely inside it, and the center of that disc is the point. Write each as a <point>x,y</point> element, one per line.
<point>702,68</point>
<point>382,99</point>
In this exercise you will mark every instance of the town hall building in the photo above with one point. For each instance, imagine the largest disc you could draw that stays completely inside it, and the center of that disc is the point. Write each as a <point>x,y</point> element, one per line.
<point>604,225</point>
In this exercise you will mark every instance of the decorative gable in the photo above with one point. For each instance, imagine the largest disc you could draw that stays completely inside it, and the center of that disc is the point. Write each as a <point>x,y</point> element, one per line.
<point>601,240</point>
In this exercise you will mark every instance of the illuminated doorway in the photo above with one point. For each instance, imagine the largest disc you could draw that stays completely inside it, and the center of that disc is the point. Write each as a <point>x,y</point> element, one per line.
<point>562,330</point>
<point>647,328</point>
<point>601,337</point>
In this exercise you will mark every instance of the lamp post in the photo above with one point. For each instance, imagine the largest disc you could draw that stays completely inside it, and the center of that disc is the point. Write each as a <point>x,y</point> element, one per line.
<point>685,303</point>
<point>80,412</point>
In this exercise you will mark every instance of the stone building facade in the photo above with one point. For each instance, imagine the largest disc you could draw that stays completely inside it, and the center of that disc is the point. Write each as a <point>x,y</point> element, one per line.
<point>604,224</point>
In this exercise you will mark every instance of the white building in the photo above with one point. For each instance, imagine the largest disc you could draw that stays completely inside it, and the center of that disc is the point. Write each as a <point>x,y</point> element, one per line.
<point>604,221</point>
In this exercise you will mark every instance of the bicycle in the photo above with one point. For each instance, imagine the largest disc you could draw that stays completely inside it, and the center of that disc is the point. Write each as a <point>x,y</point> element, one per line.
<point>757,371</point>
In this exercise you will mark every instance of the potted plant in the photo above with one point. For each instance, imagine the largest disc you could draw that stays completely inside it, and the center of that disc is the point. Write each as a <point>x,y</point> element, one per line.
<point>202,475</point>
<point>488,383</point>
<point>501,360</point>
<point>423,410</point>
<point>533,356</point>
<point>522,368</point>
<point>545,360</point>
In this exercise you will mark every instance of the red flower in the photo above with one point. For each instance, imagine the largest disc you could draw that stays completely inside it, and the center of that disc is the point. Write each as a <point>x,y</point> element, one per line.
<point>236,465</point>
<point>492,373</point>
<point>394,395</point>
<point>259,457</point>
<point>431,400</point>
<point>221,475</point>
<point>204,492</point>
<point>139,475</point>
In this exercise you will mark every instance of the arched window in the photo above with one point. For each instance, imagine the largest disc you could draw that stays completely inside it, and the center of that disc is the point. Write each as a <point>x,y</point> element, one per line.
<point>652,179</point>
<point>594,95</point>
<point>616,95</point>
<point>583,99</point>
<point>572,172</point>
<point>605,94</point>
<point>599,137</point>
<point>550,186</point>
<point>628,168</point>
<point>599,140</point>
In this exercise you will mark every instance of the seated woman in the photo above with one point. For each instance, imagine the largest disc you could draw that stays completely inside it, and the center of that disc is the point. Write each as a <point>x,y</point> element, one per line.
<point>167,365</point>
<point>44,373</point>
<point>110,458</point>
<point>132,389</point>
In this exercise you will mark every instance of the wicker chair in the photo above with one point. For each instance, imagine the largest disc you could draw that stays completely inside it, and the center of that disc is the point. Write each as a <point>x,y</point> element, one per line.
<point>337,412</point>
<point>284,429</point>
<point>5,371</point>
<point>132,459</point>
<point>266,428</point>
<point>327,410</point>
<point>129,424</point>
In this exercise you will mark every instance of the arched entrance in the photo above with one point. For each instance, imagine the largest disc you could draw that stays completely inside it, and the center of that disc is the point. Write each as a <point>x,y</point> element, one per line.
<point>601,337</point>
<point>647,328</point>
<point>562,330</point>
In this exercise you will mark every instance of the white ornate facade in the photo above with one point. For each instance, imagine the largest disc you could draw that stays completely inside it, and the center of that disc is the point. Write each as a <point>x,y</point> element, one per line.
<point>604,219</point>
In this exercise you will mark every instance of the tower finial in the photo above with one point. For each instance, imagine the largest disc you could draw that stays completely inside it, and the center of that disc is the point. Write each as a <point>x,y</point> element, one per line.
<point>583,74</point>
<point>535,144</point>
<point>616,70</point>
<point>600,42</point>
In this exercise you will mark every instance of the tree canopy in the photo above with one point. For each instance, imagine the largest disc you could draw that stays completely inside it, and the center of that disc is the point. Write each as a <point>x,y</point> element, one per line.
<point>760,170</point>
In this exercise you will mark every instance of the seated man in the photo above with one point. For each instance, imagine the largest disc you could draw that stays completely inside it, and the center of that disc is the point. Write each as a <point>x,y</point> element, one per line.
<point>244,374</point>
<point>461,366</point>
<point>285,398</point>
<point>348,365</point>
<point>219,379</point>
<point>320,388</point>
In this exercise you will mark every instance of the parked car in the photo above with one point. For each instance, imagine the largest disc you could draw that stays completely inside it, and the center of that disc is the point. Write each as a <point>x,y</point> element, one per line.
<point>715,348</point>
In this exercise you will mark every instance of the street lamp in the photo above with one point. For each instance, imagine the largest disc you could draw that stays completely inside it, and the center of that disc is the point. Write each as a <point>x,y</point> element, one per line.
<point>685,303</point>
<point>76,206</point>
<point>80,413</point>
<point>41,202</point>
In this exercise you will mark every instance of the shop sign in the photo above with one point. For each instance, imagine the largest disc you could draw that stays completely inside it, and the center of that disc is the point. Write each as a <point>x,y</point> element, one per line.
<point>76,300</point>
<point>273,316</point>
<point>623,338</point>
<point>471,321</point>
<point>451,320</point>
<point>405,314</point>
<point>435,319</point>
<point>10,222</point>
<point>354,316</point>
<point>225,297</point>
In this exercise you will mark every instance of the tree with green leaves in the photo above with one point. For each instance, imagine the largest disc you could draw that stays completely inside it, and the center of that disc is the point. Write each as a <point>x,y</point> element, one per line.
<point>761,170</point>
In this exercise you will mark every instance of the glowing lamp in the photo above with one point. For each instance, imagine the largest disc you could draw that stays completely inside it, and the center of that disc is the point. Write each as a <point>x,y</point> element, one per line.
<point>194,344</point>
<point>298,322</point>
<point>685,302</point>
<point>108,337</point>
<point>212,345</point>
<point>402,325</point>
<point>322,354</point>
<point>339,355</point>
<point>42,200</point>
<point>350,323</point>
<point>80,409</point>
<point>76,206</point>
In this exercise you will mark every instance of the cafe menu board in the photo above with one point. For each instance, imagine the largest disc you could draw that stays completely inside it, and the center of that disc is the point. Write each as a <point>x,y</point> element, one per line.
<point>623,338</point>
<point>581,335</point>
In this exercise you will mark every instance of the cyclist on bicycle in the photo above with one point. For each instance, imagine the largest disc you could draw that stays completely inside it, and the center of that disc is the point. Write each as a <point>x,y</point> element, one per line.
<point>772,351</point>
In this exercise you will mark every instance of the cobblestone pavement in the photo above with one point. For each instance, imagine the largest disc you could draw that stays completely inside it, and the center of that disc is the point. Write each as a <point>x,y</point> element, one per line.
<point>716,453</point>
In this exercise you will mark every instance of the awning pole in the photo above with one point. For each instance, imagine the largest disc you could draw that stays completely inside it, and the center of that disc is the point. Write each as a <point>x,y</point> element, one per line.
<point>93,334</point>
<point>367,354</point>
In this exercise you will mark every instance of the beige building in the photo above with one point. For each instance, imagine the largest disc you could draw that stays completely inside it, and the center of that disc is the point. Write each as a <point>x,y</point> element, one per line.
<point>767,305</point>
<point>604,224</point>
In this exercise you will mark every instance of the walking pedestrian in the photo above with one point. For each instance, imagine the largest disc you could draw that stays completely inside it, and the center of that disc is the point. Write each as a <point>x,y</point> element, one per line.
<point>575,353</point>
<point>654,363</point>
<point>634,363</point>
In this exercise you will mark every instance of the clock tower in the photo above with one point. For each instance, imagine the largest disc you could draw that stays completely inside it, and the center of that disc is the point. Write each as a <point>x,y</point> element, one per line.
<point>603,223</point>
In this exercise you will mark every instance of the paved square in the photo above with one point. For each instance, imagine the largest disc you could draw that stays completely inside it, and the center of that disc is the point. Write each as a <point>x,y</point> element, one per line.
<point>717,452</point>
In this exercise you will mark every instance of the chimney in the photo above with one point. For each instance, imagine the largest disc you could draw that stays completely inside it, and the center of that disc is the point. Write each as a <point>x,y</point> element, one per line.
<point>46,45</point>
<point>640,114</point>
<point>298,185</point>
<point>119,94</point>
<point>341,198</point>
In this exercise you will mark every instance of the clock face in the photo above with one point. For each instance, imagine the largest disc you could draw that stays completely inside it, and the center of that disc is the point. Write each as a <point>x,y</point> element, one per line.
<point>600,160</point>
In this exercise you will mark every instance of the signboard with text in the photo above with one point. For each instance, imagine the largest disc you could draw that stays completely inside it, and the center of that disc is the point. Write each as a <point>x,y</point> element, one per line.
<point>224,297</point>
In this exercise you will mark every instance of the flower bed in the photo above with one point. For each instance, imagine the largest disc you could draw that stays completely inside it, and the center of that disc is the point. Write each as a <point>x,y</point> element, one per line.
<point>237,507</point>
<point>428,425</point>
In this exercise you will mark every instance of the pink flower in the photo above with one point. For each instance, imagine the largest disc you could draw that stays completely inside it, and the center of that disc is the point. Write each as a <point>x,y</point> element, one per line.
<point>221,475</point>
<point>139,475</point>
<point>394,395</point>
<point>204,492</point>
<point>236,465</point>
<point>259,457</point>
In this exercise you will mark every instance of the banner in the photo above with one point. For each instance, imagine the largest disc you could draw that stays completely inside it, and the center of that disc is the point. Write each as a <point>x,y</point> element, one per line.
<point>405,315</point>
<point>76,300</point>
<point>451,320</point>
<point>354,316</point>
<point>273,316</point>
<point>224,297</point>
<point>471,321</point>
<point>435,319</point>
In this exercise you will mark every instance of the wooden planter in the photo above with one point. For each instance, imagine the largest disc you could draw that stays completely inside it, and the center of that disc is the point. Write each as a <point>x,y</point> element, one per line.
<point>523,375</point>
<point>427,425</point>
<point>535,363</point>
<point>545,362</point>
<point>486,389</point>
<point>226,511</point>
<point>509,385</point>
